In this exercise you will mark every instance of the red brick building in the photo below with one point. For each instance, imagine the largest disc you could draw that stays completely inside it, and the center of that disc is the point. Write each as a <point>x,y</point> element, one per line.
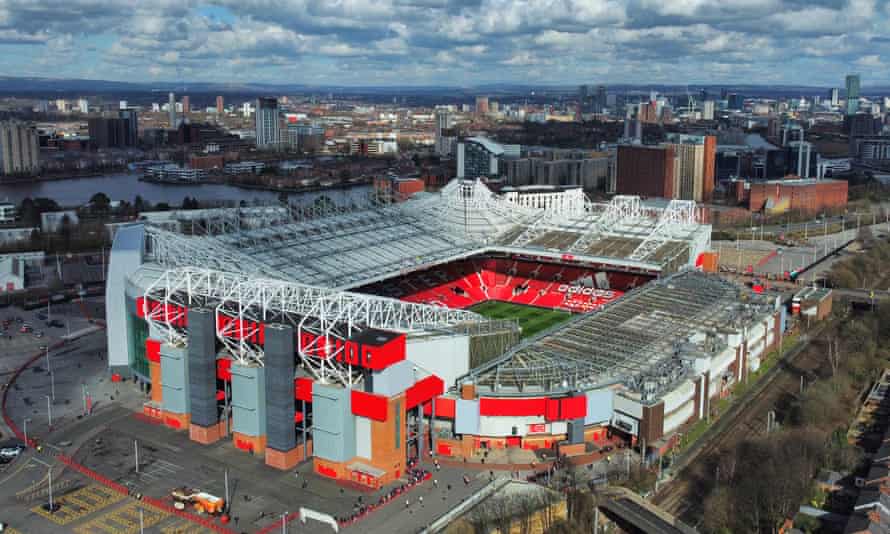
<point>209,161</point>
<point>799,195</point>
<point>647,171</point>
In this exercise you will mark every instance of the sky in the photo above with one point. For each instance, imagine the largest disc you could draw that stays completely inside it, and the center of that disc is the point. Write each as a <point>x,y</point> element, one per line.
<point>449,42</point>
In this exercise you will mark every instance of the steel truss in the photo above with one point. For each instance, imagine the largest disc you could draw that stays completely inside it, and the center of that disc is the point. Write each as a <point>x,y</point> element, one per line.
<point>622,208</point>
<point>675,220</point>
<point>242,303</point>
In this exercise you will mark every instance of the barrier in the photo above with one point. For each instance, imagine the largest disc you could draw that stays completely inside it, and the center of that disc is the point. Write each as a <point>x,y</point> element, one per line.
<point>276,526</point>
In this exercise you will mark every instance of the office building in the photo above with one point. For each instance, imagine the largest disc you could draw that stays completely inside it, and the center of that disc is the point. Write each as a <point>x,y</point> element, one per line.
<point>602,99</point>
<point>110,132</point>
<point>61,105</point>
<point>186,105</point>
<point>647,171</point>
<point>123,104</point>
<point>694,166</point>
<point>171,109</point>
<point>481,104</point>
<point>305,137</point>
<point>83,106</point>
<point>480,157</point>
<point>559,167</point>
<point>852,94</point>
<point>708,110</point>
<point>132,118</point>
<point>834,95</point>
<point>220,108</point>
<point>19,148</point>
<point>735,101</point>
<point>268,126</point>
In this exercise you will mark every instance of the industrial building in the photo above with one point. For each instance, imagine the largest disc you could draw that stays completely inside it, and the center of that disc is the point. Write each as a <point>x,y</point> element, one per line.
<point>800,195</point>
<point>268,326</point>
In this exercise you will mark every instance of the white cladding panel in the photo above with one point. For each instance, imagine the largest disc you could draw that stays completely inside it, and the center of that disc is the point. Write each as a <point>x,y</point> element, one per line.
<point>363,437</point>
<point>500,426</point>
<point>677,397</point>
<point>674,420</point>
<point>721,362</point>
<point>628,406</point>
<point>447,357</point>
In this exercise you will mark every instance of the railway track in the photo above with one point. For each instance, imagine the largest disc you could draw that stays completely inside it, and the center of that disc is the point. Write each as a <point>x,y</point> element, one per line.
<point>746,418</point>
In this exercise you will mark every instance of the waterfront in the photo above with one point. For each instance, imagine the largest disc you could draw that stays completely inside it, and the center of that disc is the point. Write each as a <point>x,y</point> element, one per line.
<point>126,186</point>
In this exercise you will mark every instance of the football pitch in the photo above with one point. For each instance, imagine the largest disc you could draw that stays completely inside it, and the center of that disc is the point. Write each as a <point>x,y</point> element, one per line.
<point>531,319</point>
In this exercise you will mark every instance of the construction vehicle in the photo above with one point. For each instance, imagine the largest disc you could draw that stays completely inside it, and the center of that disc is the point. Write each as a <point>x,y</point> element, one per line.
<point>203,503</point>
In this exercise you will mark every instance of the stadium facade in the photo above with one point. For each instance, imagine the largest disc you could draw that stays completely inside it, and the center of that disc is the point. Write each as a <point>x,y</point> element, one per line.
<point>343,334</point>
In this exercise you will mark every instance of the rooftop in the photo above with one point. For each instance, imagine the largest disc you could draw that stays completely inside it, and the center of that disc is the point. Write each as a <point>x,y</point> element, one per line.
<point>646,341</point>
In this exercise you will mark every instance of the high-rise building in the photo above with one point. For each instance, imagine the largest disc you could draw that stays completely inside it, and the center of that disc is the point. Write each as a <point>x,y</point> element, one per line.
<point>61,105</point>
<point>132,118</point>
<point>19,148</point>
<point>171,109</point>
<point>111,132</point>
<point>186,105</point>
<point>481,104</point>
<point>694,166</point>
<point>220,108</point>
<point>708,110</point>
<point>834,95</point>
<point>735,101</point>
<point>83,106</point>
<point>446,137</point>
<point>602,99</point>
<point>268,126</point>
<point>647,171</point>
<point>123,104</point>
<point>852,94</point>
<point>480,157</point>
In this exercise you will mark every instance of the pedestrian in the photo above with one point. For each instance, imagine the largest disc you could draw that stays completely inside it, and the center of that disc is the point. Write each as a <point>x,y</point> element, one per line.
<point>407,503</point>
<point>435,483</point>
<point>421,500</point>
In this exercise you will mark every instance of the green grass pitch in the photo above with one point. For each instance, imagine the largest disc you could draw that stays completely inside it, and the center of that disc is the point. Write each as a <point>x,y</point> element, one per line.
<point>531,319</point>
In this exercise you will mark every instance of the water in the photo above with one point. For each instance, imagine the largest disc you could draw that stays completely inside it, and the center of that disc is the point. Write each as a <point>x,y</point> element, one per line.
<point>126,186</point>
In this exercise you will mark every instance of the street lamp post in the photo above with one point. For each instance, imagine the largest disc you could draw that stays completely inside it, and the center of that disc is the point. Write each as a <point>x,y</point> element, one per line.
<point>25,430</point>
<point>49,410</point>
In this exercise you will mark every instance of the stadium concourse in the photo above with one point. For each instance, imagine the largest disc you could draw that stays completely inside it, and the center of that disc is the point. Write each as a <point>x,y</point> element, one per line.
<point>343,334</point>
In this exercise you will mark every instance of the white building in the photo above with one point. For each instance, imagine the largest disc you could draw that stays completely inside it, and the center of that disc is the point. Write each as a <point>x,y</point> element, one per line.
<point>52,221</point>
<point>7,213</point>
<point>83,106</point>
<point>19,149</point>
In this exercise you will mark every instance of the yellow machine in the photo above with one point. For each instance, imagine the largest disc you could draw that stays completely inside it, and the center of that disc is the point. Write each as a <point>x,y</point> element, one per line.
<point>204,503</point>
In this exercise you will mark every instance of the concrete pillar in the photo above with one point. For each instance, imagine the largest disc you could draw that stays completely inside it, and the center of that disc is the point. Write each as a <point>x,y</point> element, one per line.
<point>281,439</point>
<point>205,426</point>
<point>432,425</point>
<point>249,407</point>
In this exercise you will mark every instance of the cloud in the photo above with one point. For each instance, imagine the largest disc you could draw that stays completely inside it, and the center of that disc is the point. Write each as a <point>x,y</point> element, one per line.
<point>809,42</point>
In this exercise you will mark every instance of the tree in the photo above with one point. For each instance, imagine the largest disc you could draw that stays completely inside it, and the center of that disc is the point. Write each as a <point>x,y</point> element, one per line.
<point>100,202</point>
<point>138,205</point>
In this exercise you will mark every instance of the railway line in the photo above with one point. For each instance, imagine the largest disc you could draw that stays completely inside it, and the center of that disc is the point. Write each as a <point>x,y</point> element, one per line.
<point>746,418</point>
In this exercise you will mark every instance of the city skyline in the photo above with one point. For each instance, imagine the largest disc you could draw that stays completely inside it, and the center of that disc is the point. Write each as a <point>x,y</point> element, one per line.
<point>464,43</point>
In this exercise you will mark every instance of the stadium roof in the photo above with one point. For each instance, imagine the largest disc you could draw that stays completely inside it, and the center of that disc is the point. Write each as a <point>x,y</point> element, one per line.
<point>646,340</point>
<point>344,247</point>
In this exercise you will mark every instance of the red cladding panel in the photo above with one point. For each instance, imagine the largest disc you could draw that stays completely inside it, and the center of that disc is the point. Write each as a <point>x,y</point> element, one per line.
<point>153,350</point>
<point>140,305</point>
<point>445,408</point>
<point>573,407</point>
<point>220,395</point>
<point>382,356</point>
<point>369,405</point>
<point>423,390</point>
<point>514,407</point>
<point>551,412</point>
<point>303,389</point>
<point>224,369</point>
<point>298,417</point>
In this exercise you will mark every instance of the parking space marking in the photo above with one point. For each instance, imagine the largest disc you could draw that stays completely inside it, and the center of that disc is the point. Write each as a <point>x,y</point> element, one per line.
<point>79,503</point>
<point>181,526</point>
<point>123,520</point>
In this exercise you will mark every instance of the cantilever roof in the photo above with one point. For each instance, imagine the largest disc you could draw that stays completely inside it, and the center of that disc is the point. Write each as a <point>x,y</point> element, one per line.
<point>343,247</point>
<point>636,339</point>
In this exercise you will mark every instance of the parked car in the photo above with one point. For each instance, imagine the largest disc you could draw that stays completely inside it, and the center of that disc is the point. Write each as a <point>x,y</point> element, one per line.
<point>11,452</point>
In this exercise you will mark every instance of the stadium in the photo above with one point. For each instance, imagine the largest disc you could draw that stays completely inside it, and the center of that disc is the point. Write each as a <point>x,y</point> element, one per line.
<point>454,322</point>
